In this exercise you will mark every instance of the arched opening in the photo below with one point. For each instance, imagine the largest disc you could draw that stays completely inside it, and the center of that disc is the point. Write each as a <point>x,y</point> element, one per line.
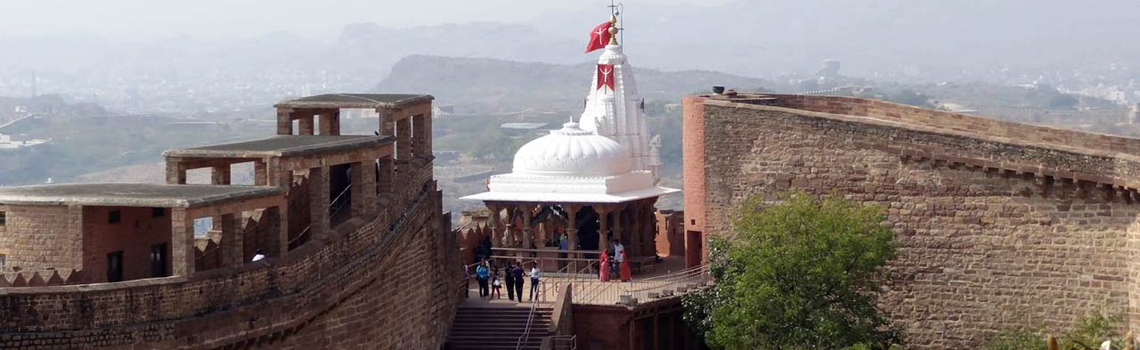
<point>587,227</point>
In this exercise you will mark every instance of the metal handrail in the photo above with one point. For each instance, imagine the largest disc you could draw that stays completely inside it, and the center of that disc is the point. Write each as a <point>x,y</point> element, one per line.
<point>331,204</point>
<point>556,342</point>
<point>529,322</point>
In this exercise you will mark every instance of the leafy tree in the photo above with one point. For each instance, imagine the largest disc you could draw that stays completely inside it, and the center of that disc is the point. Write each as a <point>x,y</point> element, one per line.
<point>802,274</point>
<point>1087,333</point>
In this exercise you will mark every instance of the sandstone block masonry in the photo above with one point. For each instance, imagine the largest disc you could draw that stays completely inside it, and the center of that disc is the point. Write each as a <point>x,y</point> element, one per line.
<point>1000,224</point>
<point>386,284</point>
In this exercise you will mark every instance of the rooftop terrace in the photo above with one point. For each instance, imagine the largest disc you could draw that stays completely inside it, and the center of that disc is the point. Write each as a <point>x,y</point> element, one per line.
<point>355,101</point>
<point>131,195</point>
<point>283,146</point>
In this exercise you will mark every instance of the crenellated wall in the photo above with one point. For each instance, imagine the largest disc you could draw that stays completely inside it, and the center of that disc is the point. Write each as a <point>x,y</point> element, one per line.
<point>999,224</point>
<point>386,283</point>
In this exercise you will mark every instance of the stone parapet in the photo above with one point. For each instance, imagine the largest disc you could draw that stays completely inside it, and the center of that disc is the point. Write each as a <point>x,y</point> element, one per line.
<point>295,300</point>
<point>999,224</point>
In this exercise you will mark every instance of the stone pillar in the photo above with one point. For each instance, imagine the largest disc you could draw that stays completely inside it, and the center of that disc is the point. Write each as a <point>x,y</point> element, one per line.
<point>220,175</point>
<point>284,121</point>
<point>527,231</point>
<point>306,123</point>
<point>385,183</point>
<point>260,173</point>
<point>278,242</point>
<point>363,188</point>
<point>330,122</point>
<point>386,123</point>
<point>175,172</point>
<point>603,226</point>
<point>496,226</point>
<point>181,242</point>
<point>404,140</point>
<point>619,233</point>
<point>637,214</point>
<point>231,245</point>
<point>422,137</point>
<point>319,203</point>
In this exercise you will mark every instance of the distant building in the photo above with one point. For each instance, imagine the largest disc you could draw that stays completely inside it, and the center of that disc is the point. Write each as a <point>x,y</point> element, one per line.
<point>8,143</point>
<point>521,128</point>
<point>1134,114</point>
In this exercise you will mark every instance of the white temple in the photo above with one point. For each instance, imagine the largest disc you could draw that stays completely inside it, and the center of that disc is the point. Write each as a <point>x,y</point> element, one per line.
<point>607,158</point>
<point>597,179</point>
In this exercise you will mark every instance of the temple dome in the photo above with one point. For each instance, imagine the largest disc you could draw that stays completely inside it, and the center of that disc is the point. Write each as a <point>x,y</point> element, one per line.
<point>572,152</point>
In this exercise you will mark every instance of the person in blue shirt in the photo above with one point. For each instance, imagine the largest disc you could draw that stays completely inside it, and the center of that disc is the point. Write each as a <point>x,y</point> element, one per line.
<point>481,274</point>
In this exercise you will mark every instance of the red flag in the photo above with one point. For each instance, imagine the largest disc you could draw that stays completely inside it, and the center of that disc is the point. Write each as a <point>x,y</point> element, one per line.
<point>599,37</point>
<point>605,76</point>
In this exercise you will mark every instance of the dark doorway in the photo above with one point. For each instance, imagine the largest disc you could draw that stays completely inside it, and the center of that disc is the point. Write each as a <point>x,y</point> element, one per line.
<point>587,225</point>
<point>115,266</point>
<point>158,260</point>
<point>340,178</point>
<point>694,248</point>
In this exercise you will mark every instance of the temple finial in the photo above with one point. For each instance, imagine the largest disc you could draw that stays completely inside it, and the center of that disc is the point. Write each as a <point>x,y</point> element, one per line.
<point>614,29</point>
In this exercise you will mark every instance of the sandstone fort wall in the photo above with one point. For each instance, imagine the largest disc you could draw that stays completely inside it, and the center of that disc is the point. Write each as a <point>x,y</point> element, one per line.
<point>389,283</point>
<point>38,237</point>
<point>136,232</point>
<point>999,224</point>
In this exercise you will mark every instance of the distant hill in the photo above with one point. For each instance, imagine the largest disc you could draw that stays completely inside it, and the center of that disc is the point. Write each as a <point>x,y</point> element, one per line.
<point>493,85</point>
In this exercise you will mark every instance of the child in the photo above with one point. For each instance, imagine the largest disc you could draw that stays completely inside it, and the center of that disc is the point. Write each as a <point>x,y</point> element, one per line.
<point>496,286</point>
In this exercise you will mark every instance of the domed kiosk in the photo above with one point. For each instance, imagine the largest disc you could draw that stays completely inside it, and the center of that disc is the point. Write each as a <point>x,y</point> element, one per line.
<point>593,182</point>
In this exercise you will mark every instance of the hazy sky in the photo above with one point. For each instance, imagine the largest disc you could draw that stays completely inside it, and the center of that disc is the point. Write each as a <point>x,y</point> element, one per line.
<point>315,19</point>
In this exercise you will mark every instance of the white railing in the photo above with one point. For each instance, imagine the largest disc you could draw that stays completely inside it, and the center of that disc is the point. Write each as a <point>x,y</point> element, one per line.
<point>678,283</point>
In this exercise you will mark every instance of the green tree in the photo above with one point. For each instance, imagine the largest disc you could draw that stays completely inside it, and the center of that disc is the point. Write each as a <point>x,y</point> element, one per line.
<point>802,274</point>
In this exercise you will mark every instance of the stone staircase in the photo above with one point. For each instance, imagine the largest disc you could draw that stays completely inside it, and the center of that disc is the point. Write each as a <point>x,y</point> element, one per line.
<point>497,326</point>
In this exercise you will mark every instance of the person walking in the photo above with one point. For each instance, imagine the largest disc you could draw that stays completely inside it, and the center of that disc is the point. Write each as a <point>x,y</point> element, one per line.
<point>534,274</point>
<point>510,279</point>
<point>481,274</point>
<point>496,284</point>
<point>518,276</point>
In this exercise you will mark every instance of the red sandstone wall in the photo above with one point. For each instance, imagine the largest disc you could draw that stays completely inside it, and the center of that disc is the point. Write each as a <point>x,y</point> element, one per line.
<point>134,235</point>
<point>38,237</point>
<point>390,284</point>
<point>981,250</point>
<point>693,139</point>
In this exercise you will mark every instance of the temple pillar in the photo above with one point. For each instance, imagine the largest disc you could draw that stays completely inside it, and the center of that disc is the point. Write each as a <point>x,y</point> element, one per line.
<point>637,229</point>
<point>496,235</point>
<point>527,231</point>
<point>181,242</point>
<point>603,227</point>
<point>319,203</point>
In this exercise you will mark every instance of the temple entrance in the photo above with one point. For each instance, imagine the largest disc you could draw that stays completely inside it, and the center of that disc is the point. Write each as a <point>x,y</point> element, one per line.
<point>587,226</point>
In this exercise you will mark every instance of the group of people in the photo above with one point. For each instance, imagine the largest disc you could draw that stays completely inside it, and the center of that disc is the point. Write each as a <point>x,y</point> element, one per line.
<point>492,279</point>
<point>614,262</point>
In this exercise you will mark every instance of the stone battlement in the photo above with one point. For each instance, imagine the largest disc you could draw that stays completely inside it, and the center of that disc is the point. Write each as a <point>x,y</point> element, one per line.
<point>962,140</point>
<point>999,224</point>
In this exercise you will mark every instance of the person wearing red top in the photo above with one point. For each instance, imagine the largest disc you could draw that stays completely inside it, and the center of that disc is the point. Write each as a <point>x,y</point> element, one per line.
<point>604,269</point>
<point>625,272</point>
